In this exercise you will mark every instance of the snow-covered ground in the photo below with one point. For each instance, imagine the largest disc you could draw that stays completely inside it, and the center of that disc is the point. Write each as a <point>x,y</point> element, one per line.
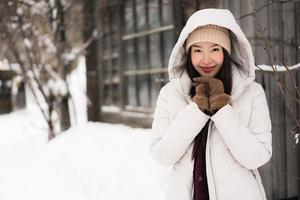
<point>94,161</point>
<point>90,161</point>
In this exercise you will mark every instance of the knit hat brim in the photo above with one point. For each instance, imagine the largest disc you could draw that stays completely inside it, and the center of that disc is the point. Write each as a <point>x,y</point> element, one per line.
<point>210,33</point>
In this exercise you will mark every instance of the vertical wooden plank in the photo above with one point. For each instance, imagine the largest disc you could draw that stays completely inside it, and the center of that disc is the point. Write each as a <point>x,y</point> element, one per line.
<point>122,54</point>
<point>291,151</point>
<point>266,171</point>
<point>129,59</point>
<point>178,16</point>
<point>170,16</point>
<point>90,21</point>
<point>227,4</point>
<point>136,53</point>
<point>105,50</point>
<point>156,47</point>
<point>263,19</point>
<point>289,54</point>
<point>236,7</point>
<point>221,4</point>
<point>148,55</point>
<point>100,91</point>
<point>165,18</point>
<point>275,30</point>
<point>189,8</point>
<point>289,36</point>
<point>279,158</point>
<point>247,24</point>
<point>279,140</point>
<point>297,30</point>
<point>116,43</point>
<point>109,66</point>
<point>201,4</point>
<point>298,128</point>
<point>198,4</point>
<point>142,80</point>
<point>128,17</point>
<point>297,33</point>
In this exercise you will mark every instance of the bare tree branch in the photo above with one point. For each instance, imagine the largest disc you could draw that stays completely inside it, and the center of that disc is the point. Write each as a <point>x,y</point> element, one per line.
<point>37,40</point>
<point>254,12</point>
<point>272,59</point>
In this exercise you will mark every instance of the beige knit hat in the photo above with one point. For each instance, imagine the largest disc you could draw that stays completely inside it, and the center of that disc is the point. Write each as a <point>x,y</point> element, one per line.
<point>210,33</point>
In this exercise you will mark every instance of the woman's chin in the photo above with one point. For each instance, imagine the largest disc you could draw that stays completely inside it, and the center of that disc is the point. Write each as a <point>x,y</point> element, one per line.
<point>207,74</point>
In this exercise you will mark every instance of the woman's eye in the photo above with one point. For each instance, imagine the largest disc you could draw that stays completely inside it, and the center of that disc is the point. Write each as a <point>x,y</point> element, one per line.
<point>197,50</point>
<point>216,49</point>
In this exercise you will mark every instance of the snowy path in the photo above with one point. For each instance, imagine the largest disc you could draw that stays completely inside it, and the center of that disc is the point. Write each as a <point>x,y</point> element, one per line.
<point>94,162</point>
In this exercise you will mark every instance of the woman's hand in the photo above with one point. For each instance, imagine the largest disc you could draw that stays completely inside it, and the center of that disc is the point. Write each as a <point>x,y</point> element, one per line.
<point>201,98</point>
<point>213,90</point>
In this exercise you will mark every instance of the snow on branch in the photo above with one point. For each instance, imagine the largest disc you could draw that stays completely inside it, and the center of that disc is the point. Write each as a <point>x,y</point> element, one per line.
<point>278,68</point>
<point>37,41</point>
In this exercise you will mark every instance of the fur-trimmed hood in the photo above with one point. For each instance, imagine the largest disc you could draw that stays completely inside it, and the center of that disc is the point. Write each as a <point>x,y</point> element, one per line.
<point>241,49</point>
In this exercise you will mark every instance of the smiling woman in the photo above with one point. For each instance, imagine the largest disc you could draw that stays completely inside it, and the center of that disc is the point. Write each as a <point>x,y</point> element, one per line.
<point>212,122</point>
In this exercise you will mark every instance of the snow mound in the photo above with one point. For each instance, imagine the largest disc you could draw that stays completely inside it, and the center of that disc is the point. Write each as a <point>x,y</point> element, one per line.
<point>96,161</point>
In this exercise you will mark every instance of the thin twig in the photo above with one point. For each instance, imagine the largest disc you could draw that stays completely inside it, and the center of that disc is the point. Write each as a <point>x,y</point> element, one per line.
<point>272,60</point>
<point>264,6</point>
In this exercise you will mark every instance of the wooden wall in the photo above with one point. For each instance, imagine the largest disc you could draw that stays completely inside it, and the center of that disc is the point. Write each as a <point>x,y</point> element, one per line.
<point>134,44</point>
<point>281,176</point>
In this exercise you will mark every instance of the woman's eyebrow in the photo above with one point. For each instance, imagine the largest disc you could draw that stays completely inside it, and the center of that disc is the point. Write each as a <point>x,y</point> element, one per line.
<point>214,45</point>
<point>194,45</point>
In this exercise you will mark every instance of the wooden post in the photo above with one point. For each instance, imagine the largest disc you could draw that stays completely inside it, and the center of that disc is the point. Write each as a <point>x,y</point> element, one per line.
<point>91,59</point>
<point>99,67</point>
<point>289,52</point>
<point>122,56</point>
<point>63,40</point>
<point>279,141</point>
<point>297,45</point>
<point>178,16</point>
<point>297,32</point>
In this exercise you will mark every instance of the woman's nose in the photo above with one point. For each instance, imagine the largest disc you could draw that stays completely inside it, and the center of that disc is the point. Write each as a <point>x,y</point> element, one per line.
<point>206,59</point>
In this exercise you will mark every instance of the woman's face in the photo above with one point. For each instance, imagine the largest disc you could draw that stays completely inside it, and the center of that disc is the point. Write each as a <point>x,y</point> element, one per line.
<point>207,58</point>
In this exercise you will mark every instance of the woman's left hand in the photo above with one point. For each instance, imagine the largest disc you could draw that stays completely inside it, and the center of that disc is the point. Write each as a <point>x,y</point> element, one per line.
<point>215,92</point>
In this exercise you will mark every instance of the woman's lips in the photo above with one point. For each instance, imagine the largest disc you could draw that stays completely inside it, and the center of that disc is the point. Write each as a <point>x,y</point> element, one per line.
<point>207,69</point>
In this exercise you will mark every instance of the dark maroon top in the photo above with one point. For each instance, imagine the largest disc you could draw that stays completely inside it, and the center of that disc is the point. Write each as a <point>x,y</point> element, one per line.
<point>200,179</point>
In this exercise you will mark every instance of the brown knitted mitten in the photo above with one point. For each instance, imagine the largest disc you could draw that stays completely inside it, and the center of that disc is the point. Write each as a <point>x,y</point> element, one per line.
<point>218,101</point>
<point>201,98</point>
<point>215,86</point>
<point>215,93</point>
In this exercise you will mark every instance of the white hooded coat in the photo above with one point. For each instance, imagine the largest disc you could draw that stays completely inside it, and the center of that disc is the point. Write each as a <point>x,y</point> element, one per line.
<point>239,136</point>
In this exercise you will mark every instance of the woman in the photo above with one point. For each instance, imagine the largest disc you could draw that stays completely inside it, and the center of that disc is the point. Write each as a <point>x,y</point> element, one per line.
<point>211,121</point>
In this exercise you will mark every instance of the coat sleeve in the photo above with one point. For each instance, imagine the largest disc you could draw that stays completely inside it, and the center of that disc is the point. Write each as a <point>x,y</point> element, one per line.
<point>172,138</point>
<point>250,145</point>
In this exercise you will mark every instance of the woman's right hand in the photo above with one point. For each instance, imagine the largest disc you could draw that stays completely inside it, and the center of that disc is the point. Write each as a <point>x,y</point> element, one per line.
<point>201,97</point>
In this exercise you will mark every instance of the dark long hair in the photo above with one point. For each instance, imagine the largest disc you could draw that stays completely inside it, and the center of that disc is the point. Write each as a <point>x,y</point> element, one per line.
<point>225,75</point>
